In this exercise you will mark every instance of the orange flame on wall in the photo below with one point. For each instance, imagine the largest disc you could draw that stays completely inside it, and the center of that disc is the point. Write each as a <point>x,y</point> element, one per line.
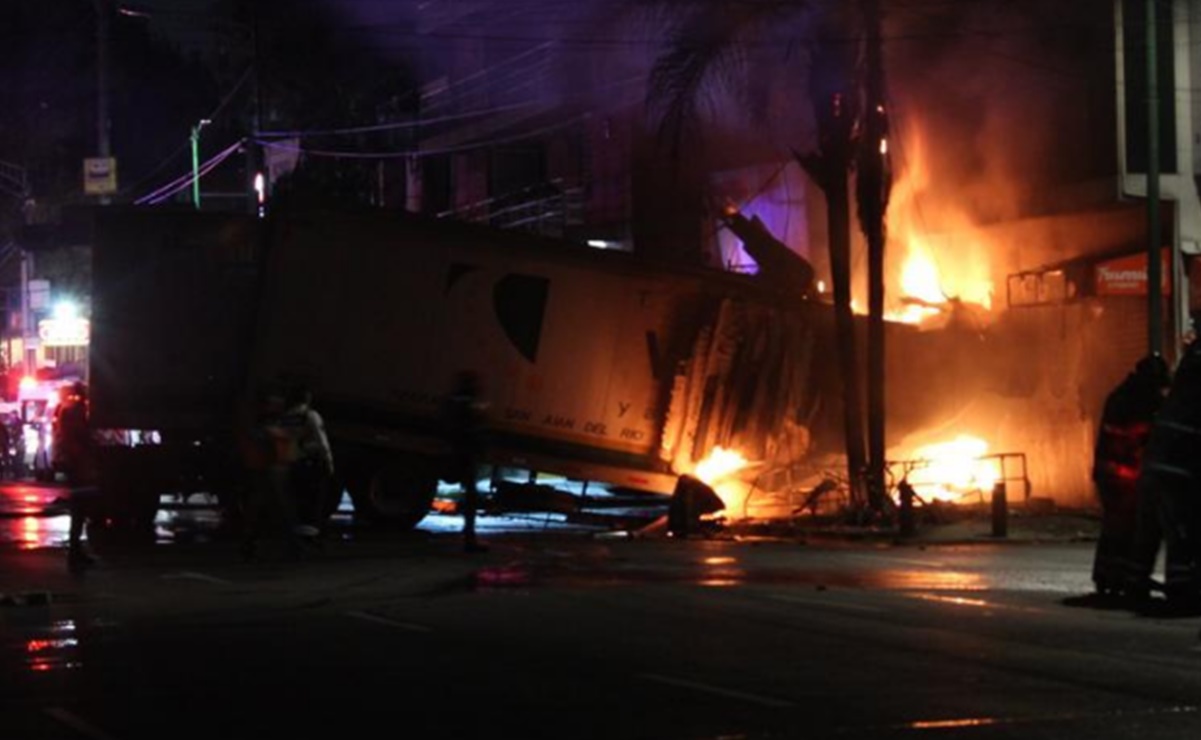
<point>925,271</point>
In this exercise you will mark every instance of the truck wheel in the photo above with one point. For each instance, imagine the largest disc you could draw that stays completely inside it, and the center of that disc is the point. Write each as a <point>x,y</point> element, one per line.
<point>397,494</point>
<point>126,514</point>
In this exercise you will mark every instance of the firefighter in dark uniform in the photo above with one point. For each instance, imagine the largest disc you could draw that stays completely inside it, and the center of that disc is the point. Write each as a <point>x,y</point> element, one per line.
<point>1168,490</point>
<point>77,455</point>
<point>1117,459</point>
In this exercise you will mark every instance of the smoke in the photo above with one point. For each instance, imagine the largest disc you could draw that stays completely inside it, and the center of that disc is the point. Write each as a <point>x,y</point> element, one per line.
<point>541,52</point>
<point>1008,95</point>
<point>1000,112</point>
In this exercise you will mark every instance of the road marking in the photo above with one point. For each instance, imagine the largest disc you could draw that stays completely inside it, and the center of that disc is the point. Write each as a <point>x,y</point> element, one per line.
<point>369,617</point>
<point>947,724</point>
<point>966,722</point>
<point>956,600</point>
<point>791,599</point>
<point>77,724</point>
<point>974,602</point>
<point>765,701</point>
<point>935,564</point>
<point>191,575</point>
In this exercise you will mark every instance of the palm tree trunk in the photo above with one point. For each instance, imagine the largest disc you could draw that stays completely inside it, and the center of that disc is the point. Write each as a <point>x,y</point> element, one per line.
<point>829,170</point>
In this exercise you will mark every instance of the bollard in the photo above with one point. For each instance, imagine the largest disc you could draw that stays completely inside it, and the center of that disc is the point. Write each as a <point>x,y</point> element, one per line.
<point>908,525</point>
<point>1000,511</point>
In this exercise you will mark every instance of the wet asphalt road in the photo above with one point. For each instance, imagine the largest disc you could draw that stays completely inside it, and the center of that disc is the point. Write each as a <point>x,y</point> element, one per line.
<point>565,635</point>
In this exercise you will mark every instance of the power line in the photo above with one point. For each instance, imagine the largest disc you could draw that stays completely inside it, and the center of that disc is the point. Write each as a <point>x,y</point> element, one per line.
<point>405,153</point>
<point>398,124</point>
<point>185,181</point>
<point>486,75</point>
<point>655,41</point>
<point>182,148</point>
<point>616,85</point>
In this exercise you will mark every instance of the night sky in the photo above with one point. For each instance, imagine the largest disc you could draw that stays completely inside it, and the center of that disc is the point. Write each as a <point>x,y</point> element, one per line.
<point>1011,91</point>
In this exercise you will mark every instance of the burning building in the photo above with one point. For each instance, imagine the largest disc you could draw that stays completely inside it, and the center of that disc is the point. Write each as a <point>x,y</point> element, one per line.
<point>1014,201</point>
<point>1016,255</point>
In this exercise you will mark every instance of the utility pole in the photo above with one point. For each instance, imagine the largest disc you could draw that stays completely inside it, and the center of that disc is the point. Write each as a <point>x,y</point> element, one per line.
<point>195,139</point>
<point>28,356</point>
<point>103,132</point>
<point>256,187</point>
<point>1154,266</point>
<point>873,185</point>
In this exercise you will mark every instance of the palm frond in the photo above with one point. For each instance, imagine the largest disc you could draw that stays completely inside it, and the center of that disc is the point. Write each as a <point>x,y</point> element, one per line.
<point>710,43</point>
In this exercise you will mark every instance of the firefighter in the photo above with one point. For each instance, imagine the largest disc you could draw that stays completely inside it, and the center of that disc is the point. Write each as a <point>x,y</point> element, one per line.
<point>1117,459</point>
<point>77,456</point>
<point>1168,489</point>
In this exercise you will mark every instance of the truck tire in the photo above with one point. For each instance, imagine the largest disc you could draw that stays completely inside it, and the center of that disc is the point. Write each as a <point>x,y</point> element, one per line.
<point>395,494</point>
<point>125,514</point>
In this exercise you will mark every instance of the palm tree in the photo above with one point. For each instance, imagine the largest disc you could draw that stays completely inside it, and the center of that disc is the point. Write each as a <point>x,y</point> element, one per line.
<point>727,46</point>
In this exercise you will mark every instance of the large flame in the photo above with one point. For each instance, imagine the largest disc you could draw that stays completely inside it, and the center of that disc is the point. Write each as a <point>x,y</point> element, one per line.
<point>717,470</point>
<point>948,471</point>
<point>719,464</point>
<point>925,272</point>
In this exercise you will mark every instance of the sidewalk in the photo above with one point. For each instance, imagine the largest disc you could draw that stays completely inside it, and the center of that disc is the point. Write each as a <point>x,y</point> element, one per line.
<point>951,526</point>
<point>1023,526</point>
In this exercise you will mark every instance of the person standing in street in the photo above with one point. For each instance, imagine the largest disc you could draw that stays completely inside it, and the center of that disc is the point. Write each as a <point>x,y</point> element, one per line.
<point>312,474</point>
<point>7,458</point>
<point>1117,460</point>
<point>465,416</point>
<point>76,455</point>
<point>269,452</point>
<point>1168,490</point>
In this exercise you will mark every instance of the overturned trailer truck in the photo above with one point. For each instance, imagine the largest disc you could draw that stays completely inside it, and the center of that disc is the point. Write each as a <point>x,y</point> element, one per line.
<point>597,365</point>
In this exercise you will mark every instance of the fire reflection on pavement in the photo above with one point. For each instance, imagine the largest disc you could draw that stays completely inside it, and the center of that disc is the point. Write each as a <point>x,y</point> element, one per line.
<point>54,650</point>
<point>34,532</point>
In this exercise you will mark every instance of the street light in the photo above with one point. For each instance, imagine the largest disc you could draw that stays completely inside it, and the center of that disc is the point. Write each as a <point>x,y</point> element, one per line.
<point>196,161</point>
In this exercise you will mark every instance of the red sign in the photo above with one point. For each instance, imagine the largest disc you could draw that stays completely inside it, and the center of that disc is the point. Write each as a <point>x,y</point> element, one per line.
<point>1128,275</point>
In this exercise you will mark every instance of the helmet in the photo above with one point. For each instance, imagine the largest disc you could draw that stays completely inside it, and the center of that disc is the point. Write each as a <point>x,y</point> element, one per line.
<point>1154,368</point>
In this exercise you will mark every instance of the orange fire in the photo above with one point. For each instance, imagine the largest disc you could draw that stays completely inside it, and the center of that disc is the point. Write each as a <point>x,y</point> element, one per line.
<point>717,470</point>
<point>949,471</point>
<point>925,271</point>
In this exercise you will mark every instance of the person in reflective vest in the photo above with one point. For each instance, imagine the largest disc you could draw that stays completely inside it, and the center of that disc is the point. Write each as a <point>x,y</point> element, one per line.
<point>1122,437</point>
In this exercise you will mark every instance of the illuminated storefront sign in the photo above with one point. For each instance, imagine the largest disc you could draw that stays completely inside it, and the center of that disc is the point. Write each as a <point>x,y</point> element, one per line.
<point>1128,275</point>
<point>68,332</point>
